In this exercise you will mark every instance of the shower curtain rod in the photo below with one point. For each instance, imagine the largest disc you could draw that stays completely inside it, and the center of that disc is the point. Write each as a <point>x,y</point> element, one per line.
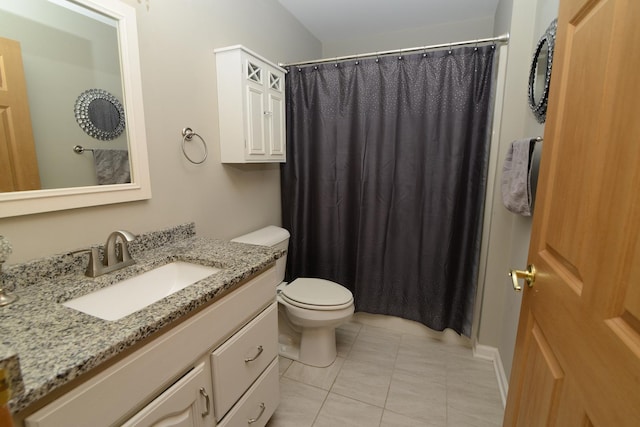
<point>504,38</point>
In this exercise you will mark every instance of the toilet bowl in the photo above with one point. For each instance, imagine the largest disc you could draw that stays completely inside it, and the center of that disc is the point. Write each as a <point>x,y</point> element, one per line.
<point>309,309</point>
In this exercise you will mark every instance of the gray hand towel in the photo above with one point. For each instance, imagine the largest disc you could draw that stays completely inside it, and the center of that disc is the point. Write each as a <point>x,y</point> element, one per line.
<point>112,166</point>
<point>516,189</point>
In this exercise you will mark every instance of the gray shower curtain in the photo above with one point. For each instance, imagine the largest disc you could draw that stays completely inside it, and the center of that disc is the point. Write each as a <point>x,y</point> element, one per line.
<point>384,184</point>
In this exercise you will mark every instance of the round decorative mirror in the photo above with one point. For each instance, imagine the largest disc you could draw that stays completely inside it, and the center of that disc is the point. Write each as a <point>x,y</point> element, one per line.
<point>540,73</point>
<point>100,114</point>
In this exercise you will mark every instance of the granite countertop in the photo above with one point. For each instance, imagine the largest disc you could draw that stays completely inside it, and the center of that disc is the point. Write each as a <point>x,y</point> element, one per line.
<point>55,344</point>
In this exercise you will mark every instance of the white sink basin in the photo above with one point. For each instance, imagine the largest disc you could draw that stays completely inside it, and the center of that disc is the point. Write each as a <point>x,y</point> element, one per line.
<point>133,294</point>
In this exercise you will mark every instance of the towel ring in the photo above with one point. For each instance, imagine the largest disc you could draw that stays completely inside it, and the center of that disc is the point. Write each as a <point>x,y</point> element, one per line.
<point>187,135</point>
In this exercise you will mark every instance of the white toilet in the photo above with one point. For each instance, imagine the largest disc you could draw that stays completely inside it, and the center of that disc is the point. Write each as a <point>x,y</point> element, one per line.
<point>309,310</point>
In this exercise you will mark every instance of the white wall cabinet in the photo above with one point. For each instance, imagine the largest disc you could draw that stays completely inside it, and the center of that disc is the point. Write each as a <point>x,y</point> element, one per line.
<point>170,381</point>
<point>251,107</point>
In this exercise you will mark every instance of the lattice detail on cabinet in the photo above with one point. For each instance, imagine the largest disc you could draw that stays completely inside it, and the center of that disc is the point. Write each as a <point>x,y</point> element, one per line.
<point>274,82</point>
<point>254,72</point>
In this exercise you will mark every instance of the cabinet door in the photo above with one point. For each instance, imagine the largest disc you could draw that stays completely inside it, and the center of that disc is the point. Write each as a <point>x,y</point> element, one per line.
<point>187,403</point>
<point>254,111</point>
<point>255,121</point>
<point>276,125</point>
<point>275,107</point>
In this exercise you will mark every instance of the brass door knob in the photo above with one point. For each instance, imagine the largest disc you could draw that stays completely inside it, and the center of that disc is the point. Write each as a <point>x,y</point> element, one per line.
<point>529,276</point>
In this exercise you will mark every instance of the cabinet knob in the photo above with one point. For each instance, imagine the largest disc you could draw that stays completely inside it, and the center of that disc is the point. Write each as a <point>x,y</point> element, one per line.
<point>268,113</point>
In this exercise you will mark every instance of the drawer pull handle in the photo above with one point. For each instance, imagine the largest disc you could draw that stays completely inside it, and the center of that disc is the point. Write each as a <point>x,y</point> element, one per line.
<point>251,359</point>
<point>204,394</point>
<point>253,420</point>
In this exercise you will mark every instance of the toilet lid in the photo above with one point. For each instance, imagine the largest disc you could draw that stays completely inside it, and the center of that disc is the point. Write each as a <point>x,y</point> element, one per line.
<point>306,292</point>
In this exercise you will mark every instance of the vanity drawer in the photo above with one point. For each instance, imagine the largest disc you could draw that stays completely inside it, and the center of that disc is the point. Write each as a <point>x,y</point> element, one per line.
<point>240,360</point>
<point>258,405</point>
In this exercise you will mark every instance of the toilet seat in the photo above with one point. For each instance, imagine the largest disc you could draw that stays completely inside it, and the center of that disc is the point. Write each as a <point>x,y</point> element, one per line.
<point>316,294</point>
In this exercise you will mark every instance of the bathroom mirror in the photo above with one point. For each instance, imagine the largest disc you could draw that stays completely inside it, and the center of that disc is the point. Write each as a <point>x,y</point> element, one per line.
<point>540,73</point>
<point>95,45</point>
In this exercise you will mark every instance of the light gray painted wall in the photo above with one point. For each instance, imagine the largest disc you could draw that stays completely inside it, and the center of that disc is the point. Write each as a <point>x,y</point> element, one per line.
<point>510,233</point>
<point>412,37</point>
<point>178,82</point>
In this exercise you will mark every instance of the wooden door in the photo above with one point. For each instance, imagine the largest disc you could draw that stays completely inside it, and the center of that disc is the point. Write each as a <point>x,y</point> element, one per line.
<point>577,359</point>
<point>18,162</point>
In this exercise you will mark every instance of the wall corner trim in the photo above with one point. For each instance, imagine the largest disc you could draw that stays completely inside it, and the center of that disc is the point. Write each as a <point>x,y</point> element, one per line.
<point>491,353</point>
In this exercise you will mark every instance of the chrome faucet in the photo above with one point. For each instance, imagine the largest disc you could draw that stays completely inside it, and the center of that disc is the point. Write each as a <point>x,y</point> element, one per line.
<point>116,255</point>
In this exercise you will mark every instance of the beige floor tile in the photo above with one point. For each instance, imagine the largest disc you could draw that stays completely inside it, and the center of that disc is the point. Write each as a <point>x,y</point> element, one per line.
<point>391,377</point>
<point>422,358</point>
<point>459,419</point>
<point>391,419</point>
<point>344,341</point>
<point>351,326</point>
<point>375,345</point>
<point>299,404</point>
<point>340,411</point>
<point>283,364</point>
<point>374,333</point>
<point>422,397</point>
<point>363,381</point>
<point>318,377</point>
<point>464,371</point>
<point>480,401</point>
<point>428,346</point>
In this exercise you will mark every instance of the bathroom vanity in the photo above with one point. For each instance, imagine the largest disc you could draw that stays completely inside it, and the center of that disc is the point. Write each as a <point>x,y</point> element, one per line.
<point>203,356</point>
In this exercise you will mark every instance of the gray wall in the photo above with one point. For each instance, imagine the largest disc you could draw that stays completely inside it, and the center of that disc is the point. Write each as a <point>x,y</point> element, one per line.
<point>412,37</point>
<point>510,233</point>
<point>178,82</point>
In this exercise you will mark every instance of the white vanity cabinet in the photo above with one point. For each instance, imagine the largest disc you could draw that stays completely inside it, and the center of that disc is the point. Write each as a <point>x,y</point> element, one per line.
<point>239,362</point>
<point>178,378</point>
<point>187,403</point>
<point>251,107</point>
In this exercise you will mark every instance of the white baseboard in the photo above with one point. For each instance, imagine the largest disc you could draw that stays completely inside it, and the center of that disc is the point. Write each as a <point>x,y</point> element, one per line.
<point>491,353</point>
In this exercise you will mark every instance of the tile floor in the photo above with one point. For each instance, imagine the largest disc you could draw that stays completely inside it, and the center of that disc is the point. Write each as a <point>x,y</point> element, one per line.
<point>389,377</point>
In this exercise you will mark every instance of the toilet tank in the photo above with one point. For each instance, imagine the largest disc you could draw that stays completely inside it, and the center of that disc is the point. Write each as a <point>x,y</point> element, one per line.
<point>272,236</point>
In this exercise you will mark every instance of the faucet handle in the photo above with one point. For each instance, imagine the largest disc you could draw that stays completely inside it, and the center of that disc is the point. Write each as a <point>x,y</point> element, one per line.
<point>93,266</point>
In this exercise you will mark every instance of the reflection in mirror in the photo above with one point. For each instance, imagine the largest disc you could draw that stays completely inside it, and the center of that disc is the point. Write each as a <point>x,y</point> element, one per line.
<point>540,73</point>
<point>66,47</point>
<point>63,52</point>
<point>100,114</point>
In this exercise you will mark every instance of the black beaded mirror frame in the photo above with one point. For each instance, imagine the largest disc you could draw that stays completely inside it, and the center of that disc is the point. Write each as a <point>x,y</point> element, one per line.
<point>83,118</point>
<point>539,107</point>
